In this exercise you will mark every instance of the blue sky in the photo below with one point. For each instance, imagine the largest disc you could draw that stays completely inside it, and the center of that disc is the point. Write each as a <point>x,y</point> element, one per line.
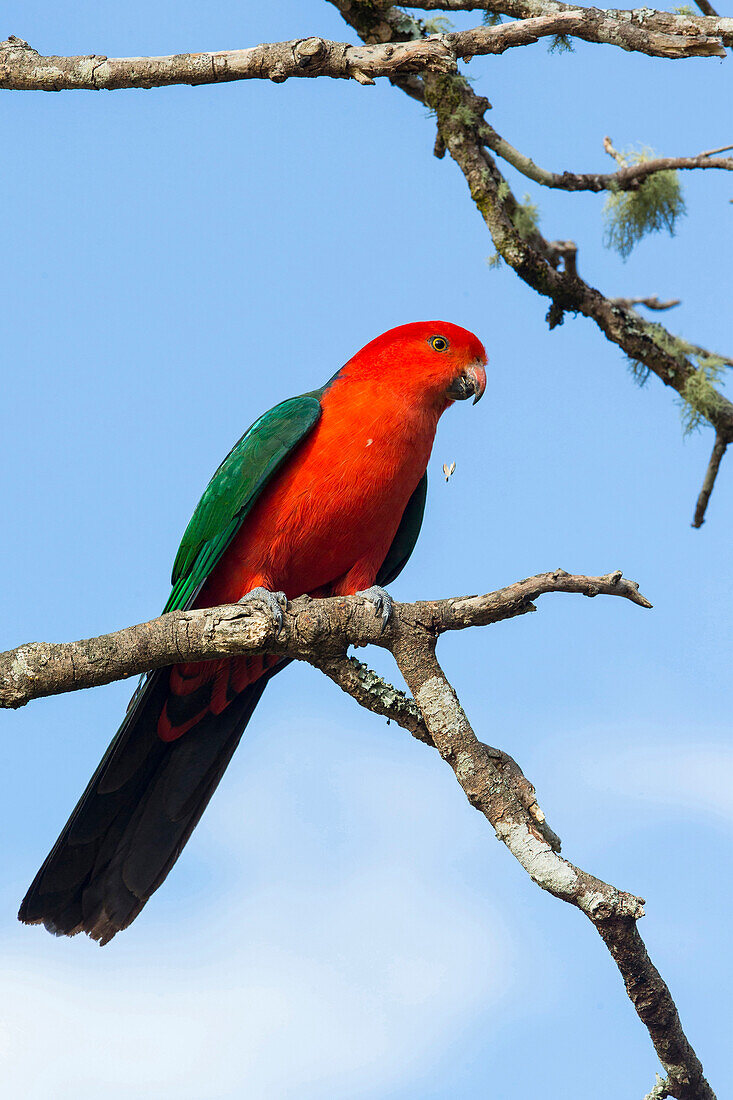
<point>342,922</point>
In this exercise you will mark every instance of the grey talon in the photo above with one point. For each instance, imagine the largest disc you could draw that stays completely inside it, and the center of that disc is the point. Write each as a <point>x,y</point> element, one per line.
<point>273,601</point>
<point>380,600</point>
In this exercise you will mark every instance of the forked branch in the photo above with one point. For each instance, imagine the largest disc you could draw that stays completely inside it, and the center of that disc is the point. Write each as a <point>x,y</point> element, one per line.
<point>312,630</point>
<point>320,631</point>
<point>628,178</point>
<point>658,34</point>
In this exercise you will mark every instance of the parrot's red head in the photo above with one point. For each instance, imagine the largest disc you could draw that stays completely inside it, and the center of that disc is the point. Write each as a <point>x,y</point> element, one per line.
<point>431,360</point>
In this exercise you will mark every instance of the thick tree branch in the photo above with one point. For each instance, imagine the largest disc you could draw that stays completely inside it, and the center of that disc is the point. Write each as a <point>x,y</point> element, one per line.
<point>612,912</point>
<point>24,69</point>
<point>461,131</point>
<point>653,1002</point>
<point>375,694</point>
<point>655,33</point>
<point>319,631</point>
<point>487,791</point>
<point>706,8</point>
<point>313,630</point>
<point>626,28</point>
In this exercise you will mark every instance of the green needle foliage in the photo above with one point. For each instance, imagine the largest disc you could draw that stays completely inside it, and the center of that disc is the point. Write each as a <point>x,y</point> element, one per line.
<point>656,205</point>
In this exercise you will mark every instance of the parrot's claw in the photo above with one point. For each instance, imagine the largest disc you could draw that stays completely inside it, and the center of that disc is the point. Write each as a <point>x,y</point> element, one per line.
<point>380,600</point>
<point>275,602</point>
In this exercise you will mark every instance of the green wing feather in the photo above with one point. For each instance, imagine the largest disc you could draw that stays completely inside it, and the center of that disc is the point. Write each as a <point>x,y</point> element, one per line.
<point>407,533</point>
<point>234,489</point>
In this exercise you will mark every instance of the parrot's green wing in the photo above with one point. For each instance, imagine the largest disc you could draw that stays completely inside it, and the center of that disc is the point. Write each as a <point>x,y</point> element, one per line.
<point>233,490</point>
<point>404,541</point>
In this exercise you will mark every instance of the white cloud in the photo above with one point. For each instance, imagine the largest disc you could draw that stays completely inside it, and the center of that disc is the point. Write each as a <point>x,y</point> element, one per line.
<point>310,978</point>
<point>285,1004</point>
<point>689,775</point>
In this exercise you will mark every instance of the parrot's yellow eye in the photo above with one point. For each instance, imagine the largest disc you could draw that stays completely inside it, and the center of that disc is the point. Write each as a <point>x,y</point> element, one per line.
<point>438,343</point>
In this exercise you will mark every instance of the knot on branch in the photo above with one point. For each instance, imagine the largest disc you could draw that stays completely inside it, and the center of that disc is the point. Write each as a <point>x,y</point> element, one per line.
<point>618,906</point>
<point>228,623</point>
<point>312,622</point>
<point>308,50</point>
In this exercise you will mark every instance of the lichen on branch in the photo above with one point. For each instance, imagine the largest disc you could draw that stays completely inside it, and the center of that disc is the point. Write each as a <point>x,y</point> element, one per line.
<point>657,204</point>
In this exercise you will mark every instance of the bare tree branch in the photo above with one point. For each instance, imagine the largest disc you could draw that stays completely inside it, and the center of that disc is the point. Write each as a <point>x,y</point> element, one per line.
<point>319,631</point>
<point>313,630</point>
<point>650,303</point>
<point>462,129</point>
<point>527,9</point>
<point>24,69</point>
<point>613,913</point>
<point>655,33</point>
<point>706,8</point>
<point>708,484</point>
<point>660,1090</point>
<point>628,178</point>
<point>375,694</point>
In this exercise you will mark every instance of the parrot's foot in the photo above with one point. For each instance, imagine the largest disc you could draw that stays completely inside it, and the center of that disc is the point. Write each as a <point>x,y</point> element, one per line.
<point>380,600</point>
<point>275,602</point>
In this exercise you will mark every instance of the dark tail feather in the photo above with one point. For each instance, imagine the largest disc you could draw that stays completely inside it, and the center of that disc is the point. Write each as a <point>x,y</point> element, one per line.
<point>136,815</point>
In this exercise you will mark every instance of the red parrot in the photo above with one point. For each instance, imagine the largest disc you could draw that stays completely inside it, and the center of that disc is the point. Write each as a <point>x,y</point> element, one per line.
<point>323,495</point>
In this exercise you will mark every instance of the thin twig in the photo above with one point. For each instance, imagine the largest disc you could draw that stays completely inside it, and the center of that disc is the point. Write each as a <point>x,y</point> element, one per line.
<point>708,484</point>
<point>650,303</point>
<point>660,1090</point>
<point>629,177</point>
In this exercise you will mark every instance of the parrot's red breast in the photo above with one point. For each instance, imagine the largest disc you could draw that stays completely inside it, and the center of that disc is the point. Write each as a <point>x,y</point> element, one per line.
<point>325,522</point>
<point>324,494</point>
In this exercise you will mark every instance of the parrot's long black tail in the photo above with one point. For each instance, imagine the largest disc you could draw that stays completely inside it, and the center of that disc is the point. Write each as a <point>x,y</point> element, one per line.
<point>137,813</point>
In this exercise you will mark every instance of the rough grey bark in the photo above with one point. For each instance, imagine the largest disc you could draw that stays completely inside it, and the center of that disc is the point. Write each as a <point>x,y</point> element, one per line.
<point>549,267</point>
<point>719,449</point>
<point>655,33</point>
<point>628,178</point>
<point>24,69</point>
<point>312,630</point>
<point>424,66</point>
<point>612,912</point>
<point>399,47</point>
<point>670,22</point>
<point>319,631</point>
